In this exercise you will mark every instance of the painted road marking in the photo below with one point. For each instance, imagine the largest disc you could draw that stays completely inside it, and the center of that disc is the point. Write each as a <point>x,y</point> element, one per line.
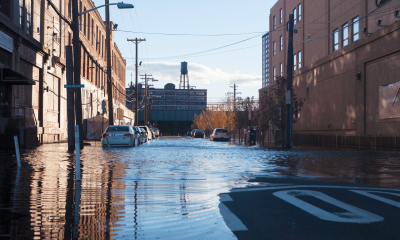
<point>225,198</point>
<point>308,186</point>
<point>379,198</point>
<point>231,220</point>
<point>353,214</point>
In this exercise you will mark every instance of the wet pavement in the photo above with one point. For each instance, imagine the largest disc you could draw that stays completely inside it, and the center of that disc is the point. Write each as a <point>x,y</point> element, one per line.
<point>165,189</point>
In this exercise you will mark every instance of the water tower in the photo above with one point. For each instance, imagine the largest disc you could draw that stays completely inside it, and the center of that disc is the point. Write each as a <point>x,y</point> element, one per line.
<point>184,72</point>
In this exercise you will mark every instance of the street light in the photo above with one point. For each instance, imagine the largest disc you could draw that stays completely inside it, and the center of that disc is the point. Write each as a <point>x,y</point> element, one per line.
<point>120,5</point>
<point>77,60</point>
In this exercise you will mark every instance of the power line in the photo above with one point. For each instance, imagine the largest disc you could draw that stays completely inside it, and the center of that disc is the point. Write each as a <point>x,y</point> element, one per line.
<point>193,34</point>
<point>185,55</point>
<point>206,54</point>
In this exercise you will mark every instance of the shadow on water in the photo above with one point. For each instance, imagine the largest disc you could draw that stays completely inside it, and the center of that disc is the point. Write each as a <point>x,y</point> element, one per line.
<point>166,189</point>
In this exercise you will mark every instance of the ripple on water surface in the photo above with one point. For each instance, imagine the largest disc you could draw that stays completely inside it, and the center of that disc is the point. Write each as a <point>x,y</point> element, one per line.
<point>164,189</point>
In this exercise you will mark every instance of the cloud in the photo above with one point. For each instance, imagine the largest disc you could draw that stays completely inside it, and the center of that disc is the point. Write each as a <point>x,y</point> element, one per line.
<point>198,74</point>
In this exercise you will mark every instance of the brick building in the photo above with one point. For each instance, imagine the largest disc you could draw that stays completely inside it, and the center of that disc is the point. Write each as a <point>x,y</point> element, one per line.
<point>32,57</point>
<point>346,64</point>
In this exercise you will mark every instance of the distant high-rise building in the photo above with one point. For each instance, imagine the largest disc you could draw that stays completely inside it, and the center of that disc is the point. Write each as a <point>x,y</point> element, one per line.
<point>265,60</point>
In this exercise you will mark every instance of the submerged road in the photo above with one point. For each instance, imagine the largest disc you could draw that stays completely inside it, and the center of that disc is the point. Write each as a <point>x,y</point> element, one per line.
<point>183,188</point>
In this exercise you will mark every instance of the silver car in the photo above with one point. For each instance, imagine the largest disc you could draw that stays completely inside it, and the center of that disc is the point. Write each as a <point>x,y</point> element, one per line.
<point>147,130</point>
<point>219,134</point>
<point>119,136</point>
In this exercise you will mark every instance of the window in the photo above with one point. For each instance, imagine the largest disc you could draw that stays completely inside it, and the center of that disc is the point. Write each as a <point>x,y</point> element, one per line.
<point>335,40</point>
<point>97,38</point>
<point>79,18</point>
<point>345,35</point>
<point>21,13</point>
<point>355,30</point>
<point>92,37</point>
<point>274,73</point>
<point>274,22</point>
<point>69,9</point>
<point>299,56</point>
<point>294,62</point>
<point>295,16</point>
<point>88,27</point>
<point>281,41</point>
<point>274,48</point>
<point>281,15</point>
<point>299,7</point>
<point>102,46</point>
<point>28,16</point>
<point>84,65</point>
<point>84,22</point>
<point>281,69</point>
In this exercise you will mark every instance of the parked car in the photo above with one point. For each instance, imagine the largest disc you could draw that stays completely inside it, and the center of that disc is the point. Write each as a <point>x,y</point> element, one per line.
<point>157,132</point>
<point>198,134</point>
<point>219,134</point>
<point>141,136</point>
<point>147,130</point>
<point>119,135</point>
<point>192,132</point>
<point>154,132</point>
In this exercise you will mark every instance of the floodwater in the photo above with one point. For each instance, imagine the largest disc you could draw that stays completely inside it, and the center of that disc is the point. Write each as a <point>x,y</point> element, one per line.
<point>164,189</point>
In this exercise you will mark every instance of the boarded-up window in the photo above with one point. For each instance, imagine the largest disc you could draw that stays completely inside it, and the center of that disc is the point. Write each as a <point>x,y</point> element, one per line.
<point>389,106</point>
<point>53,101</point>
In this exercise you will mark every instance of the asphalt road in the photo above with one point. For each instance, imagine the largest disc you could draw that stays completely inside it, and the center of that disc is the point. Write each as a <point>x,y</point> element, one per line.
<point>291,208</point>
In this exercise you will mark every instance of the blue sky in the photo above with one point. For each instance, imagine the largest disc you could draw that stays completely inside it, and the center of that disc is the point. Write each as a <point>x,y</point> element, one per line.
<point>212,70</point>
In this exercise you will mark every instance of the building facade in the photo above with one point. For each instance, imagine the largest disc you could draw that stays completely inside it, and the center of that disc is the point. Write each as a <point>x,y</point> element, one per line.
<point>344,63</point>
<point>169,107</point>
<point>33,37</point>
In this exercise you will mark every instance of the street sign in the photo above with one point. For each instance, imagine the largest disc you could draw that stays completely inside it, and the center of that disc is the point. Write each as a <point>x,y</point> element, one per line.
<point>74,86</point>
<point>288,97</point>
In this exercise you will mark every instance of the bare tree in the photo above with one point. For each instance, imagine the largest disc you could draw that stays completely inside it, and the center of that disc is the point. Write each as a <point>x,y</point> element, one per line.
<point>273,106</point>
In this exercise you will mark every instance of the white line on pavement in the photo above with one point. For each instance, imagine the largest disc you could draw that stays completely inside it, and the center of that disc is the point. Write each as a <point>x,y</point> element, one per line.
<point>231,220</point>
<point>379,198</point>
<point>353,214</point>
<point>306,186</point>
<point>225,198</point>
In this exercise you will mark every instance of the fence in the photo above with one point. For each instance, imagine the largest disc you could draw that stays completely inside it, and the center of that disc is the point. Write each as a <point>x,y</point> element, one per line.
<point>343,141</point>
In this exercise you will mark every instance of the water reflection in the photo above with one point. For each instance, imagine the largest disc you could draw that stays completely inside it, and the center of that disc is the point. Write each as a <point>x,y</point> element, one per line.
<point>165,189</point>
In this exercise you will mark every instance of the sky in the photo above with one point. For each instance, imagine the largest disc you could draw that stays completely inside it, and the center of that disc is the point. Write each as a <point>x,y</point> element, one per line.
<point>220,40</point>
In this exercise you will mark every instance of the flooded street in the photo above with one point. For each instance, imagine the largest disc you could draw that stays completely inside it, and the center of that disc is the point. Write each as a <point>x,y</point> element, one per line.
<point>165,189</point>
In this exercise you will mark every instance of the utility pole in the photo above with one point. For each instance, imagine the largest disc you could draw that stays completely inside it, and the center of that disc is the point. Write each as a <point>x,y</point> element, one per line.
<point>131,88</point>
<point>234,96</point>
<point>70,98</point>
<point>289,105</point>
<point>146,103</point>
<point>109,73</point>
<point>137,41</point>
<point>77,69</point>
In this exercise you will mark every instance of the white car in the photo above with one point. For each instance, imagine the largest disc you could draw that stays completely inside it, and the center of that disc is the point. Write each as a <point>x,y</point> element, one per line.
<point>219,134</point>
<point>119,136</point>
<point>156,131</point>
<point>149,133</point>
